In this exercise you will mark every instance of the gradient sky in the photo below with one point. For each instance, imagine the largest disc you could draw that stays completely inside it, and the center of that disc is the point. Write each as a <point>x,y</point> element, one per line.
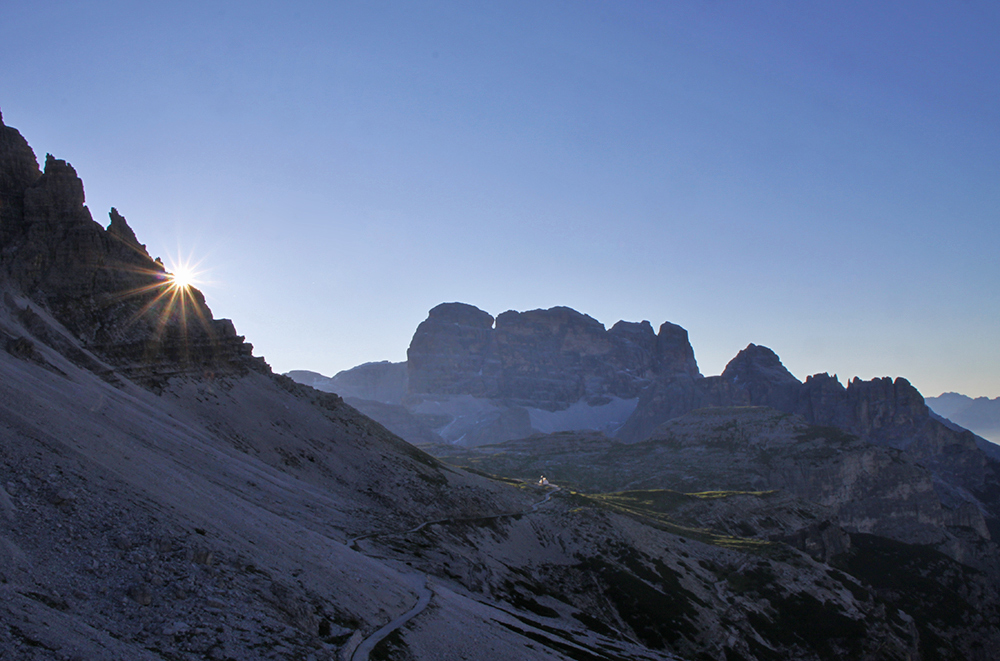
<point>822,178</point>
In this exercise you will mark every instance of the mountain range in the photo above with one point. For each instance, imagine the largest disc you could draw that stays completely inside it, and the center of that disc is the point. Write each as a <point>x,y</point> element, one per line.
<point>165,495</point>
<point>471,380</point>
<point>980,415</point>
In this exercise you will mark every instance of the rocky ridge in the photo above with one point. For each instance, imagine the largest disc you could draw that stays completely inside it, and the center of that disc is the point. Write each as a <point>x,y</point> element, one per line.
<point>548,359</point>
<point>100,283</point>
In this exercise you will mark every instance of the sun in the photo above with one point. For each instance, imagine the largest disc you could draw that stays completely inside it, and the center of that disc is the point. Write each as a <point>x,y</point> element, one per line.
<point>183,277</point>
<point>171,297</point>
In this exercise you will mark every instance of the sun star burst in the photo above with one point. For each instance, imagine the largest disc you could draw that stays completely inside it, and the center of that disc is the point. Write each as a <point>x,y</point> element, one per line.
<point>183,277</point>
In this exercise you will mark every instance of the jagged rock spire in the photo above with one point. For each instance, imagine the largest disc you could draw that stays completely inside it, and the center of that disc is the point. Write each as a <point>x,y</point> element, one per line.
<point>99,283</point>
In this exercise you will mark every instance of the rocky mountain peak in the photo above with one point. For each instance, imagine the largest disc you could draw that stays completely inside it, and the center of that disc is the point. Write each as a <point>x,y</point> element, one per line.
<point>674,353</point>
<point>18,171</point>
<point>885,407</point>
<point>639,332</point>
<point>757,363</point>
<point>118,227</point>
<point>462,314</point>
<point>100,284</point>
<point>557,320</point>
<point>56,198</point>
<point>453,352</point>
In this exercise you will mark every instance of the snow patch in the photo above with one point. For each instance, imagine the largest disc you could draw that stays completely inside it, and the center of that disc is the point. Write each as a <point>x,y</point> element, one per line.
<point>607,418</point>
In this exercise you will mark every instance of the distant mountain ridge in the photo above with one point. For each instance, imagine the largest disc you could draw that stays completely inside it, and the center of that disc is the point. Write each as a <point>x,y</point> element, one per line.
<point>547,359</point>
<point>473,380</point>
<point>381,382</point>
<point>980,415</point>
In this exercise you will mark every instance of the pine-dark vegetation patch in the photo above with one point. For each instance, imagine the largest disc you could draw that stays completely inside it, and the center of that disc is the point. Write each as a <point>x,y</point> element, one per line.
<point>519,600</point>
<point>920,581</point>
<point>802,619</point>
<point>390,648</point>
<point>594,624</point>
<point>650,599</point>
<point>831,434</point>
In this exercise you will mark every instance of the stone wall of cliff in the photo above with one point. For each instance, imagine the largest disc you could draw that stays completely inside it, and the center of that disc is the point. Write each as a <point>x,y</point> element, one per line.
<point>546,359</point>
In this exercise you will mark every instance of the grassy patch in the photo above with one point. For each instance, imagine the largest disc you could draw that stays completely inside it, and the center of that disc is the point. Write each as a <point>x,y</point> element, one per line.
<point>653,505</point>
<point>832,434</point>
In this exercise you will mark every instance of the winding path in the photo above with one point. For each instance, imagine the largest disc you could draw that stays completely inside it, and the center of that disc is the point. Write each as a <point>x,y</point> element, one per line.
<point>424,593</point>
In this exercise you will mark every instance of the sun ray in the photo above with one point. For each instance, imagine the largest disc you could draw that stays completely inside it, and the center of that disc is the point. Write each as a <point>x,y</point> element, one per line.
<point>169,301</point>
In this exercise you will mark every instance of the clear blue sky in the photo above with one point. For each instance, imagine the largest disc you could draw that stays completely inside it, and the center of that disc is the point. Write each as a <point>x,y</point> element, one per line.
<point>822,178</point>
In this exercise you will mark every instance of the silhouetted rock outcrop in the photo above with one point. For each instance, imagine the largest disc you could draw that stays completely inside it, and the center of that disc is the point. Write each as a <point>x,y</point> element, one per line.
<point>18,171</point>
<point>100,283</point>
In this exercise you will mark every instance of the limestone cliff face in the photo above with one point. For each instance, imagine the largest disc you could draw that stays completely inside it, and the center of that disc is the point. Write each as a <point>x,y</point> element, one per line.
<point>546,359</point>
<point>552,358</point>
<point>453,352</point>
<point>869,487</point>
<point>884,408</point>
<point>674,353</point>
<point>99,283</point>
